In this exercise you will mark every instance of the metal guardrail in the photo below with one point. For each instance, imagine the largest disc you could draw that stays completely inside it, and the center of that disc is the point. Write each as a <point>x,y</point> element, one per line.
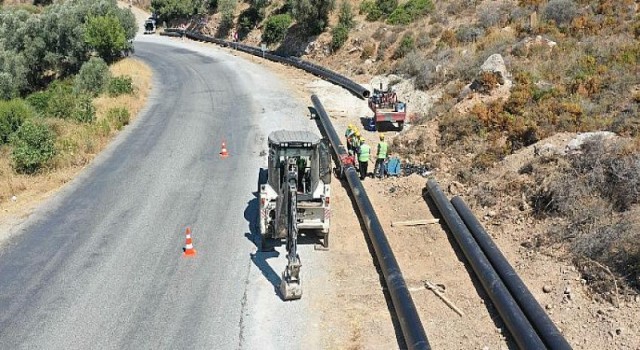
<point>412,329</point>
<point>315,69</point>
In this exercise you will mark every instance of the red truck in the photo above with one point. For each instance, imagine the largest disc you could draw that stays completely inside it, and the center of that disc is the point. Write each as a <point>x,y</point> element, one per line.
<point>386,108</point>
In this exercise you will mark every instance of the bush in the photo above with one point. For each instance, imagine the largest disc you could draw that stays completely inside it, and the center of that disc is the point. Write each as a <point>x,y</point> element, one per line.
<point>39,100</point>
<point>560,11</point>
<point>84,111</point>
<point>312,15</point>
<point>386,6</point>
<point>340,34</point>
<point>428,76</point>
<point>7,88</point>
<point>345,17</point>
<point>410,11</point>
<point>467,34</point>
<point>368,50</point>
<point>371,10</point>
<point>276,28</point>
<point>407,44</point>
<point>12,114</point>
<point>33,146</point>
<point>61,103</point>
<point>118,117</point>
<point>411,64</point>
<point>93,77</point>
<point>120,85</point>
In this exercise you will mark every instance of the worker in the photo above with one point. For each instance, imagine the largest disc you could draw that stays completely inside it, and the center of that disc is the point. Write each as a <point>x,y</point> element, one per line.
<point>363,157</point>
<point>381,156</point>
<point>355,142</point>
<point>348,134</point>
<point>302,167</point>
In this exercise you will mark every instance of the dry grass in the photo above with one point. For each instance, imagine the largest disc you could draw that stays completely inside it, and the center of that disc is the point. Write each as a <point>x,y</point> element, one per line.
<point>77,145</point>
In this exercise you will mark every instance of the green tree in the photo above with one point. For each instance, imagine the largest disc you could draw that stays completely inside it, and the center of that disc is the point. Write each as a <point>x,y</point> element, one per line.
<point>312,15</point>
<point>105,35</point>
<point>226,8</point>
<point>33,146</point>
<point>170,10</point>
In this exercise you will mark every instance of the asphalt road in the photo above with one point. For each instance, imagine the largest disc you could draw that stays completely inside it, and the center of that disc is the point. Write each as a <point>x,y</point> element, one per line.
<point>100,267</point>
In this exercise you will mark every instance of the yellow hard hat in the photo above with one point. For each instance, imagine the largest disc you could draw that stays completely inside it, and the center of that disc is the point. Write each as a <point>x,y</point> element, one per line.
<point>357,132</point>
<point>381,136</point>
<point>362,139</point>
<point>351,126</point>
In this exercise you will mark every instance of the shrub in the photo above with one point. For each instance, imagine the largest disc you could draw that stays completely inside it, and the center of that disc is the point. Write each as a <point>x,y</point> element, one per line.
<point>12,114</point>
<point>428,76</point>
<point>368,50</point>
<point>33,146</point>
<point>410,11</point>
<point>407,44</point>
<point>275,28</point>
<point>93,77</point>
<point>120,85</point>
<point>61,102</point>
<point>118,117</point>
<point>467,34</point>
<point>371,10</point>
<point>312,15</point>
<point>7,88</point>
<point>560,11</point>
<point>386,6</point>
<point>39,100</point>
<point>411,64</point>
<point>340,34</point>
<point>345,17</point>
<point>84,110</point>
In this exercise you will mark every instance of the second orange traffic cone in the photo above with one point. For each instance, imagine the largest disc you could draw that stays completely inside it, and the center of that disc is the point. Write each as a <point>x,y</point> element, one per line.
<point>188,247</point>
<point>223,152</point>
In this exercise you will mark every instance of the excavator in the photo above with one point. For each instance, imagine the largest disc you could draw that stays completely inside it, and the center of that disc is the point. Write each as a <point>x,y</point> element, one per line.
<point>295,198</point>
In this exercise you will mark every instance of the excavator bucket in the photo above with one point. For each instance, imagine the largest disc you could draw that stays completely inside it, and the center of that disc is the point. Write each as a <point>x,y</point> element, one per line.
<point>291,285</point>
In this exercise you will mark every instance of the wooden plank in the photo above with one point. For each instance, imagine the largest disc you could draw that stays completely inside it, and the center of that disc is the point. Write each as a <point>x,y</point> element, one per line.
<point>415,222</point>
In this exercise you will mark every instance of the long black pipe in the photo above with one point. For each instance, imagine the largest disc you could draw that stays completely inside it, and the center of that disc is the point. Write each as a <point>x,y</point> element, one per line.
<point>546,329</point>
<point>412,329</point>
<point>521,330</point>
<point>315,69</point>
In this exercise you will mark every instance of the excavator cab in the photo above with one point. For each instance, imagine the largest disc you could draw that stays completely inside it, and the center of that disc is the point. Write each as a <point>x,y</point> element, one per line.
<point>295,197</point>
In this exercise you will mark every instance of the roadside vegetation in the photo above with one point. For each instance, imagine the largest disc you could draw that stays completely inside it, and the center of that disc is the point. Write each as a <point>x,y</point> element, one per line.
<point>65,89</point>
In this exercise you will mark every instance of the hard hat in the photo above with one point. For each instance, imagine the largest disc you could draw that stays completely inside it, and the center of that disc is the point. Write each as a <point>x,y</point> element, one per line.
<point>357,132</point>
<point>351,126</point>
<point>362,139</point>
<point>381,136</point>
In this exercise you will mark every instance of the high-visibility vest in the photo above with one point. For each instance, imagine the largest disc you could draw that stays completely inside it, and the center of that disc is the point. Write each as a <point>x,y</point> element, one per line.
<point>382,150</point>
<point>365,150</point>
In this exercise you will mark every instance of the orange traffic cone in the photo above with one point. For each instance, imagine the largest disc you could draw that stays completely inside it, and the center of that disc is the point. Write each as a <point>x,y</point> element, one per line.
<point>224,152</point>
<point>188,247</point>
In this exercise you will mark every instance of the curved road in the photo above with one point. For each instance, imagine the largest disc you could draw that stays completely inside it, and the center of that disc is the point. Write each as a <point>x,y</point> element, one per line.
<point>99,266</point>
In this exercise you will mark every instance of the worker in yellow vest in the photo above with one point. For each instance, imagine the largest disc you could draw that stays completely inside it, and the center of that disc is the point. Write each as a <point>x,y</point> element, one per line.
<point>355,141</point>
<point>381,157</point>
<point>363,157</point>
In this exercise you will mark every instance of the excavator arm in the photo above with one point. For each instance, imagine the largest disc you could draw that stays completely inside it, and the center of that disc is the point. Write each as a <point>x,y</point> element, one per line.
<point>290,286</point>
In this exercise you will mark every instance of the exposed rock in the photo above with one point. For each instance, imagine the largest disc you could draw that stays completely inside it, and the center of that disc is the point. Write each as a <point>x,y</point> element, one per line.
<point>456,188</point>
<point>524,47</point>
<point>576,143</point>
<point>495,63</point>
<point>547,288</point>
<point>547,150</point>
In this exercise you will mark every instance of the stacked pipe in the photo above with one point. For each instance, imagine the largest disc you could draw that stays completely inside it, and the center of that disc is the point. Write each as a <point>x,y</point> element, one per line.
<point>529,325</point>
<point>407,315</point>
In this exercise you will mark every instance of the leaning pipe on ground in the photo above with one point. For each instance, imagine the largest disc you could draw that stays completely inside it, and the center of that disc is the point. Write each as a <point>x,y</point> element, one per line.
<point>521,330</point>
<point>412,329</point>
<point>546,329</point>
<point>315,69</point>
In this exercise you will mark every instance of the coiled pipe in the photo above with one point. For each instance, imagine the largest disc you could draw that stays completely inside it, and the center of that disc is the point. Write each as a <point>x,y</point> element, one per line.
<point>407,315</point>
<point>546,329</point>
<point>521,330</point>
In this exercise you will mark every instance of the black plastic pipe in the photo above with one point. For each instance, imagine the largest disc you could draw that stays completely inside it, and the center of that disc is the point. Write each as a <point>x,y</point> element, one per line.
<point>315,69</point>
<point>521,330</point>
<point>407,315</point>
<point>545,327</point>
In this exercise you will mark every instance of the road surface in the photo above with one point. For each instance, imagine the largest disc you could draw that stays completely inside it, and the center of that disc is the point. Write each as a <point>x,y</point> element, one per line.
<point>99,266</point>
